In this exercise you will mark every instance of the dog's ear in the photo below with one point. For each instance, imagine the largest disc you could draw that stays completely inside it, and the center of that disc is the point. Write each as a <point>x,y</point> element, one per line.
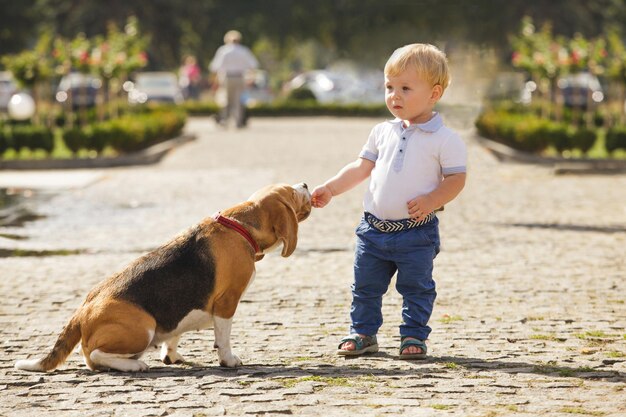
<point>286,229</point>
<point>279,203</point>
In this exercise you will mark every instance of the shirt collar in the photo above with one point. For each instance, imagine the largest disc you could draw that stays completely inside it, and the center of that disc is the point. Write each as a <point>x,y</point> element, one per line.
<point>430,126</point>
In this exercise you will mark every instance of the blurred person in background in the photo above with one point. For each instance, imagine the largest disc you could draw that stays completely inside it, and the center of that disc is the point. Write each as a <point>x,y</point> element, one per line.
<point>190,77</point>
<point>230,64</point>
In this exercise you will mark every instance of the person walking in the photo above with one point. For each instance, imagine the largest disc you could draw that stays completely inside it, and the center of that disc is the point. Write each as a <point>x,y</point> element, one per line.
<point>230,64</point>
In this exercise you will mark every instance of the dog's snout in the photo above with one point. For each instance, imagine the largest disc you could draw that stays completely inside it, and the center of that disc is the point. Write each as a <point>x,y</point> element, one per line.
<point>306,187</point>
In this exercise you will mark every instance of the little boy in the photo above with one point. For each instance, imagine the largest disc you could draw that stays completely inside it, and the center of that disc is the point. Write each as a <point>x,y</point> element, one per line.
<point>415,165</point>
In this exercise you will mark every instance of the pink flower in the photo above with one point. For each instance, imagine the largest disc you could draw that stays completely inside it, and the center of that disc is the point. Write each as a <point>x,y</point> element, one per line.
<point>83,57</point>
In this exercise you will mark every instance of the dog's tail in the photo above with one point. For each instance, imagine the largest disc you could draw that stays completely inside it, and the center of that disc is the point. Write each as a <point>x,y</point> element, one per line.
<point>67,340</point>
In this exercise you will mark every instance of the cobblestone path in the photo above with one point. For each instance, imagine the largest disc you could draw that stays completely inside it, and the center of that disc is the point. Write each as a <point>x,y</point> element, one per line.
<point>530,317</point>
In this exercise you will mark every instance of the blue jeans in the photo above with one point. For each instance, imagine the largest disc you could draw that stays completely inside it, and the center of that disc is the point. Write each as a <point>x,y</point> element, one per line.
<point>378,256</point>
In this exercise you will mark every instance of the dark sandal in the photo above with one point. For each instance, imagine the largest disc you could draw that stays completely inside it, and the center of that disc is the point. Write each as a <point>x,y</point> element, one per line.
<point>367,344</point>
<point>406,342</point>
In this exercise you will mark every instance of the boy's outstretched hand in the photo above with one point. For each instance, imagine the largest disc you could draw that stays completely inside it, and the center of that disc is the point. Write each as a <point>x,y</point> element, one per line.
<point>321,196</point>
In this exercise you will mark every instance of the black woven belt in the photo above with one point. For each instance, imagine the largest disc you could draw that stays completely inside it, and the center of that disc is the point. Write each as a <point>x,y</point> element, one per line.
<point>388,226</point>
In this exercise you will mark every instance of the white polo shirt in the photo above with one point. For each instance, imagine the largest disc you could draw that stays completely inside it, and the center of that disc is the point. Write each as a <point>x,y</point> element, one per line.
<point>409,162</point>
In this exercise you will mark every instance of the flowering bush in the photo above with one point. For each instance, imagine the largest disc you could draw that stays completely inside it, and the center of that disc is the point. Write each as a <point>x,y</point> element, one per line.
<point>111,58</point>
<point>547,58</point>
<point>547,122</point>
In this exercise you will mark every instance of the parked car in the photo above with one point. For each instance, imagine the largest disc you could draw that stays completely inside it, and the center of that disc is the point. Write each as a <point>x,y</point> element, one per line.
<point>258,89</point>
<point>339,86</point>
<point>81,90</point>
<point>506,86</point>
<point>574,88</point>
<point>8,87</point>
<point>156,86</point>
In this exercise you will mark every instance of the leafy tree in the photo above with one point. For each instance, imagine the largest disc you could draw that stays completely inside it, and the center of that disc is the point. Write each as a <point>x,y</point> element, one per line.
<point>365,30</point>
<point>616,70</point>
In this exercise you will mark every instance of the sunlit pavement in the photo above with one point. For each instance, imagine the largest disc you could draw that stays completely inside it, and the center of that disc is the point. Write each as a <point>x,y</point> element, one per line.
<point>530,316</point>
<point>48,180</point>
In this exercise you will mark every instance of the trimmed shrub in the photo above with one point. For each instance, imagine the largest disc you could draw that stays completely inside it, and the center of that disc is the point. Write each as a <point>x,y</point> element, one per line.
<point>531,136</point>
<point>5,139</point>
<point>75,139</point>
<point>531,133</point>
<point>313,108</point>
<point>32,137</point>
<point>301,94</point>
<point>559,136</point>
<point>129,133</point>
<point>300,107</point>
<point>583,139</point>
<point>200,108</point>
<point>616,138</point>
<point>523,132</point>
<point>100,135</point>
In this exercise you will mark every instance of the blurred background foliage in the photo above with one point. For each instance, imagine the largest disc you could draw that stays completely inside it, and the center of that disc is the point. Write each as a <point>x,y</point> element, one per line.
<point>291,36</point>
<point>497,49</point>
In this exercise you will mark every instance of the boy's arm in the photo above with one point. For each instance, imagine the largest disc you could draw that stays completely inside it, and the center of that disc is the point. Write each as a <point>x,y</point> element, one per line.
<point>447,191</point>
<point>348,177</point>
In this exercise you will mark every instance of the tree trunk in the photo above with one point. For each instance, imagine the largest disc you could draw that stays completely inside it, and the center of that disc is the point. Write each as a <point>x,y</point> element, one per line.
<point>589,112</point>
<point>557,100</point>
<point>622,104</point>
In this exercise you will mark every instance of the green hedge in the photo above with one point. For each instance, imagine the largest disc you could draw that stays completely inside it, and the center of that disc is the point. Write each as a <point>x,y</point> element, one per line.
<point>531,133</point>
<point>616,138</point>
<point>296,108</point>
<point>131,132</point>
<point>21,136</point>
<point>200,108</point>
<point>313,108</point>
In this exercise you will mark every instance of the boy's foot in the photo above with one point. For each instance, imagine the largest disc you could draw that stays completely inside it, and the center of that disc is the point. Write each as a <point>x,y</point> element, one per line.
<point>350,344</point>
<point>412,348</point>
<point>357,344</point>
<point>409,350</point>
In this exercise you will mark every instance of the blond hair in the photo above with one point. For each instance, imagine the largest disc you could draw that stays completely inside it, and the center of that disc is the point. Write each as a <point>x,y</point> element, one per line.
<point>429,62</point>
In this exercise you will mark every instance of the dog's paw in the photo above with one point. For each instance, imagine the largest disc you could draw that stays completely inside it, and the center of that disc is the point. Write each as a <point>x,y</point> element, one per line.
<point>130,365</point>
<point>231,361</point>
<point>172,357</point>
<point>141,366</point>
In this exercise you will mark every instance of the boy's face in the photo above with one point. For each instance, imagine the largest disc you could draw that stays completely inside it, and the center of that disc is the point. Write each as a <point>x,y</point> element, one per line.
<point>409,97</point>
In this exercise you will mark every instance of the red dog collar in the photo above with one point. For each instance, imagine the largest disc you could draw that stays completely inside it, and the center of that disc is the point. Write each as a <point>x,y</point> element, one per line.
<point>236,226</point>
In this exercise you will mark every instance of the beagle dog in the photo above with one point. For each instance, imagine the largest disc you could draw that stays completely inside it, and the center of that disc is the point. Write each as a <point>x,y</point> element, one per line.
<point>193,282</point>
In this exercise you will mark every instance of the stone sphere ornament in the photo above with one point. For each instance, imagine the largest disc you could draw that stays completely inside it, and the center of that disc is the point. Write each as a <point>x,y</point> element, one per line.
<point>21,106</point>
